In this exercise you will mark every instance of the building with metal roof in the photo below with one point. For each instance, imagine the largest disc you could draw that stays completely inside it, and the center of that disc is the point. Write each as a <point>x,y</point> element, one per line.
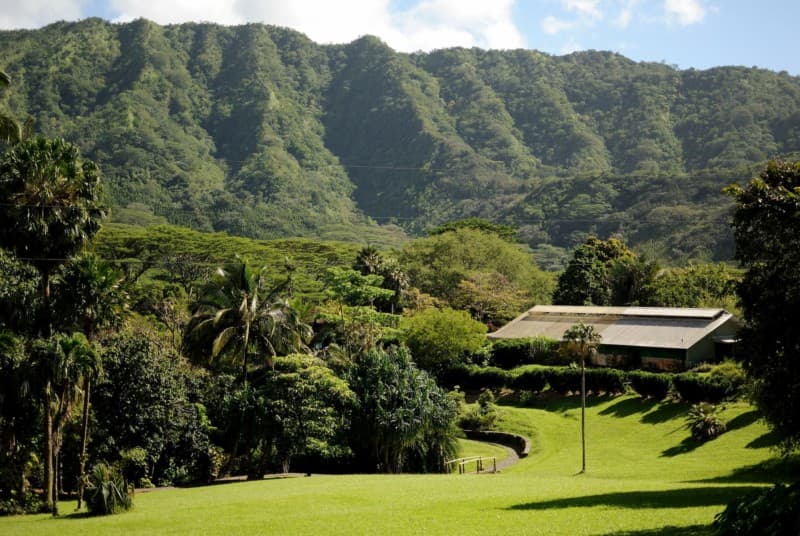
<point>664,337</point>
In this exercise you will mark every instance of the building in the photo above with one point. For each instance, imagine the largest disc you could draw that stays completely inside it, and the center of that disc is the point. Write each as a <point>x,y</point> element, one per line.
<point>661,337</point>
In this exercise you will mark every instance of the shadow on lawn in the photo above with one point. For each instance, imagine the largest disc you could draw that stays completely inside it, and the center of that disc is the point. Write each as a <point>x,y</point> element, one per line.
<point>673,498</point>
<point>692,530</point>
<point>687,445</point>
<point>666,412</point>
<point>767,472</point>
<point>628,407</point>
<point>745,419</point>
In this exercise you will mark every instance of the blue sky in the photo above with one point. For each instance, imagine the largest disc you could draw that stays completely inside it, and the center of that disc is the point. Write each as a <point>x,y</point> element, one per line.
<point>686,33</point>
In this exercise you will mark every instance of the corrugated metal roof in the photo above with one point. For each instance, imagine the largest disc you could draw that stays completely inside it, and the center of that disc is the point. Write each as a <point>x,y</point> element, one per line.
<point>644,327</point>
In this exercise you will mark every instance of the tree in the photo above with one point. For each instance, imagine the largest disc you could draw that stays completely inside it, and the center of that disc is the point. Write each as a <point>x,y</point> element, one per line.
<point>53,206</point>
<point>401,419</point>
<point>585,339</point>
<point>766,227</point>
<point>586,280</point>
<point>235,316</point>
<point>439,338</point>
<point>89,297</point>
<point>61,361</point>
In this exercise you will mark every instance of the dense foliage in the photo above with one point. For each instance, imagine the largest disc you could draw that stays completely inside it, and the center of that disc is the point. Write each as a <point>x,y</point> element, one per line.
<point>767,230</point>
<point>258,131</point>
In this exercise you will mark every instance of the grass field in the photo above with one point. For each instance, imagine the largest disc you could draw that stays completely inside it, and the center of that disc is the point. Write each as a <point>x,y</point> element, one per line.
<point>644,477</point>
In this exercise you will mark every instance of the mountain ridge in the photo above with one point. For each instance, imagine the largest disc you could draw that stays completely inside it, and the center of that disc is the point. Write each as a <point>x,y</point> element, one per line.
<point>258,131</point>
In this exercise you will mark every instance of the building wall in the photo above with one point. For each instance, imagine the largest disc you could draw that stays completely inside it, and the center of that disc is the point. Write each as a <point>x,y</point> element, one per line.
<point>705,349</point>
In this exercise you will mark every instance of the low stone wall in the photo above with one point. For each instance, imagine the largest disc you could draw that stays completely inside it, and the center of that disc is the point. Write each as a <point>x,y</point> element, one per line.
<point>520,444</point>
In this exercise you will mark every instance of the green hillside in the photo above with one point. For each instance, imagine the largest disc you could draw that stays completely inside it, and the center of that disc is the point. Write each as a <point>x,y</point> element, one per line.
<point>257,131</point>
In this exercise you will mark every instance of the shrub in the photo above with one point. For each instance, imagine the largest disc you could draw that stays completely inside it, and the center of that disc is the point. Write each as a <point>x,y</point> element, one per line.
<point>772,511</point>
<point>534,380</point>
<point>564,380</point>
<point>694,388</point>
<point>510,353</point>
<point>108,493</point>
<point>482,416</point>
<point>704,422</point>
<point>650,384</point>
<point>606,380</point>
<point>474,377</point>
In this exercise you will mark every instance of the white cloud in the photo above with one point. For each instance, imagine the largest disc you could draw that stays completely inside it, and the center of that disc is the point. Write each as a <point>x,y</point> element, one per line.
<point>36,13</point>
<point>176,11</point>
<point>684,12</point>
<point>421,25</point>
<point>553,25</point>
<point>584,8</point>
<point>626,13</point>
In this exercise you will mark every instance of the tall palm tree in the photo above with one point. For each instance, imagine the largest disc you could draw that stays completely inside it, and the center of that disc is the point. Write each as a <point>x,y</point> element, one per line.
<point>89,297</point>
<point>61,362</point>
<point>585,339</point>
<point>51,206</point>
<point>236,316</point>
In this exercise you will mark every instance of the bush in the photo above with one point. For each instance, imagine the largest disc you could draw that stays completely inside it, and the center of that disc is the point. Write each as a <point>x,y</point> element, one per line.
<point>108,493</point>
<point>510,353</point>
<point>482,416</point>
<point>704,422</point>
<point>605,380</point>
<point>564,380</point>
<point>650,384</point>
<point>474,377</point>
<point>694,388</point>
<point>534,380</point>
<point>773,511</point>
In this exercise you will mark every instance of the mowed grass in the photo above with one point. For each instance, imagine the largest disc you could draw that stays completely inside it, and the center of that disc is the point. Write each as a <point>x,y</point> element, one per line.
<point>643,478</point>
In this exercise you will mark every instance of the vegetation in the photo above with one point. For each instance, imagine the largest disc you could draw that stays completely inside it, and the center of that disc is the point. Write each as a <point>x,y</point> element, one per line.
<point>766,224</point>
<point>646,483</point>
<point>108,492</point>
<point>257,131</point>
<point>704,421</point>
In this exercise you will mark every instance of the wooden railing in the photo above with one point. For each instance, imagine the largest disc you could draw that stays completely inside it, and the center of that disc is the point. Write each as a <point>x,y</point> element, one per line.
<point>463,462</point>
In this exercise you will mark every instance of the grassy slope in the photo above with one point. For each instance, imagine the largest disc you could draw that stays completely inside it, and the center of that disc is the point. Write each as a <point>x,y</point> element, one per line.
<point>643,478</point>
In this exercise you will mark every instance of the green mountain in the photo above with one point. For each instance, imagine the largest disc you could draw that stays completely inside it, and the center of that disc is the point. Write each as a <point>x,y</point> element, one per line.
<point>258,131</point>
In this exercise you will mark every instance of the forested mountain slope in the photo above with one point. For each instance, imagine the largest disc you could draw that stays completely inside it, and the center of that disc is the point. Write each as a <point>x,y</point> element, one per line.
<point>258,131</point>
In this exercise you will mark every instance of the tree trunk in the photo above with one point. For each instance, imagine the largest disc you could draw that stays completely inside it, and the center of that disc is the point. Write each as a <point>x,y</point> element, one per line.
<point>87,386</point>
<point>48,461</point>
<point>583,414</point>
<point>45,303</point>
<point>244,353</point>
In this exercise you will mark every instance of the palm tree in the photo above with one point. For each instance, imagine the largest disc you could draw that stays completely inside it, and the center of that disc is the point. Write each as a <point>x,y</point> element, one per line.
<point>11,130</point>
<point>52,206</point>
<point>89,297</point>
<point>236,316</point>
<point>585,338</point>
<point>61,362</point>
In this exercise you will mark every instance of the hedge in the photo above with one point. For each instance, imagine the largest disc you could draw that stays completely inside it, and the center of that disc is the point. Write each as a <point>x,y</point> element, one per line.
<point>511,353</point>
<point>650,384</point>
<point>694,388</point>
<point>531,380</point>
<point>474,377</point>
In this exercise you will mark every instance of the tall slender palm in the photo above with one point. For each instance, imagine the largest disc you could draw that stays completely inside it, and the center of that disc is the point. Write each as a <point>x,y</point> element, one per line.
<point>585,338</point>
<point>51,206</point>
<point>89,297</point>
<point>61,361</point>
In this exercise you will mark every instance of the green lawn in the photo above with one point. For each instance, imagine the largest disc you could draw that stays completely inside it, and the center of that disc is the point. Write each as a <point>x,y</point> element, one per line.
<point>644,478</point>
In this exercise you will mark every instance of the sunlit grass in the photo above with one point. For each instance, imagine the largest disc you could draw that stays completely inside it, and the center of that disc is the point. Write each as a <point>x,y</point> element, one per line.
<point>643,478</point>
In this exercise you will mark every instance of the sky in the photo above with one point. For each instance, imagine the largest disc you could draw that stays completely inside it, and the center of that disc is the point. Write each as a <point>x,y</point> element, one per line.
<point>685,33</point>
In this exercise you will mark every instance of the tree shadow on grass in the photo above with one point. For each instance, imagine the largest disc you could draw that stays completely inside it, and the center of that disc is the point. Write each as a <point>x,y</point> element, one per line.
<point>565,403</point>
<point>629,406</point>
<point>769,439</point>
<point>768,472</point>
<point>665,412</point>
<point>673,498</point>
<point>687,445</point>
<point>691,530</point>
<point>745,419</point>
